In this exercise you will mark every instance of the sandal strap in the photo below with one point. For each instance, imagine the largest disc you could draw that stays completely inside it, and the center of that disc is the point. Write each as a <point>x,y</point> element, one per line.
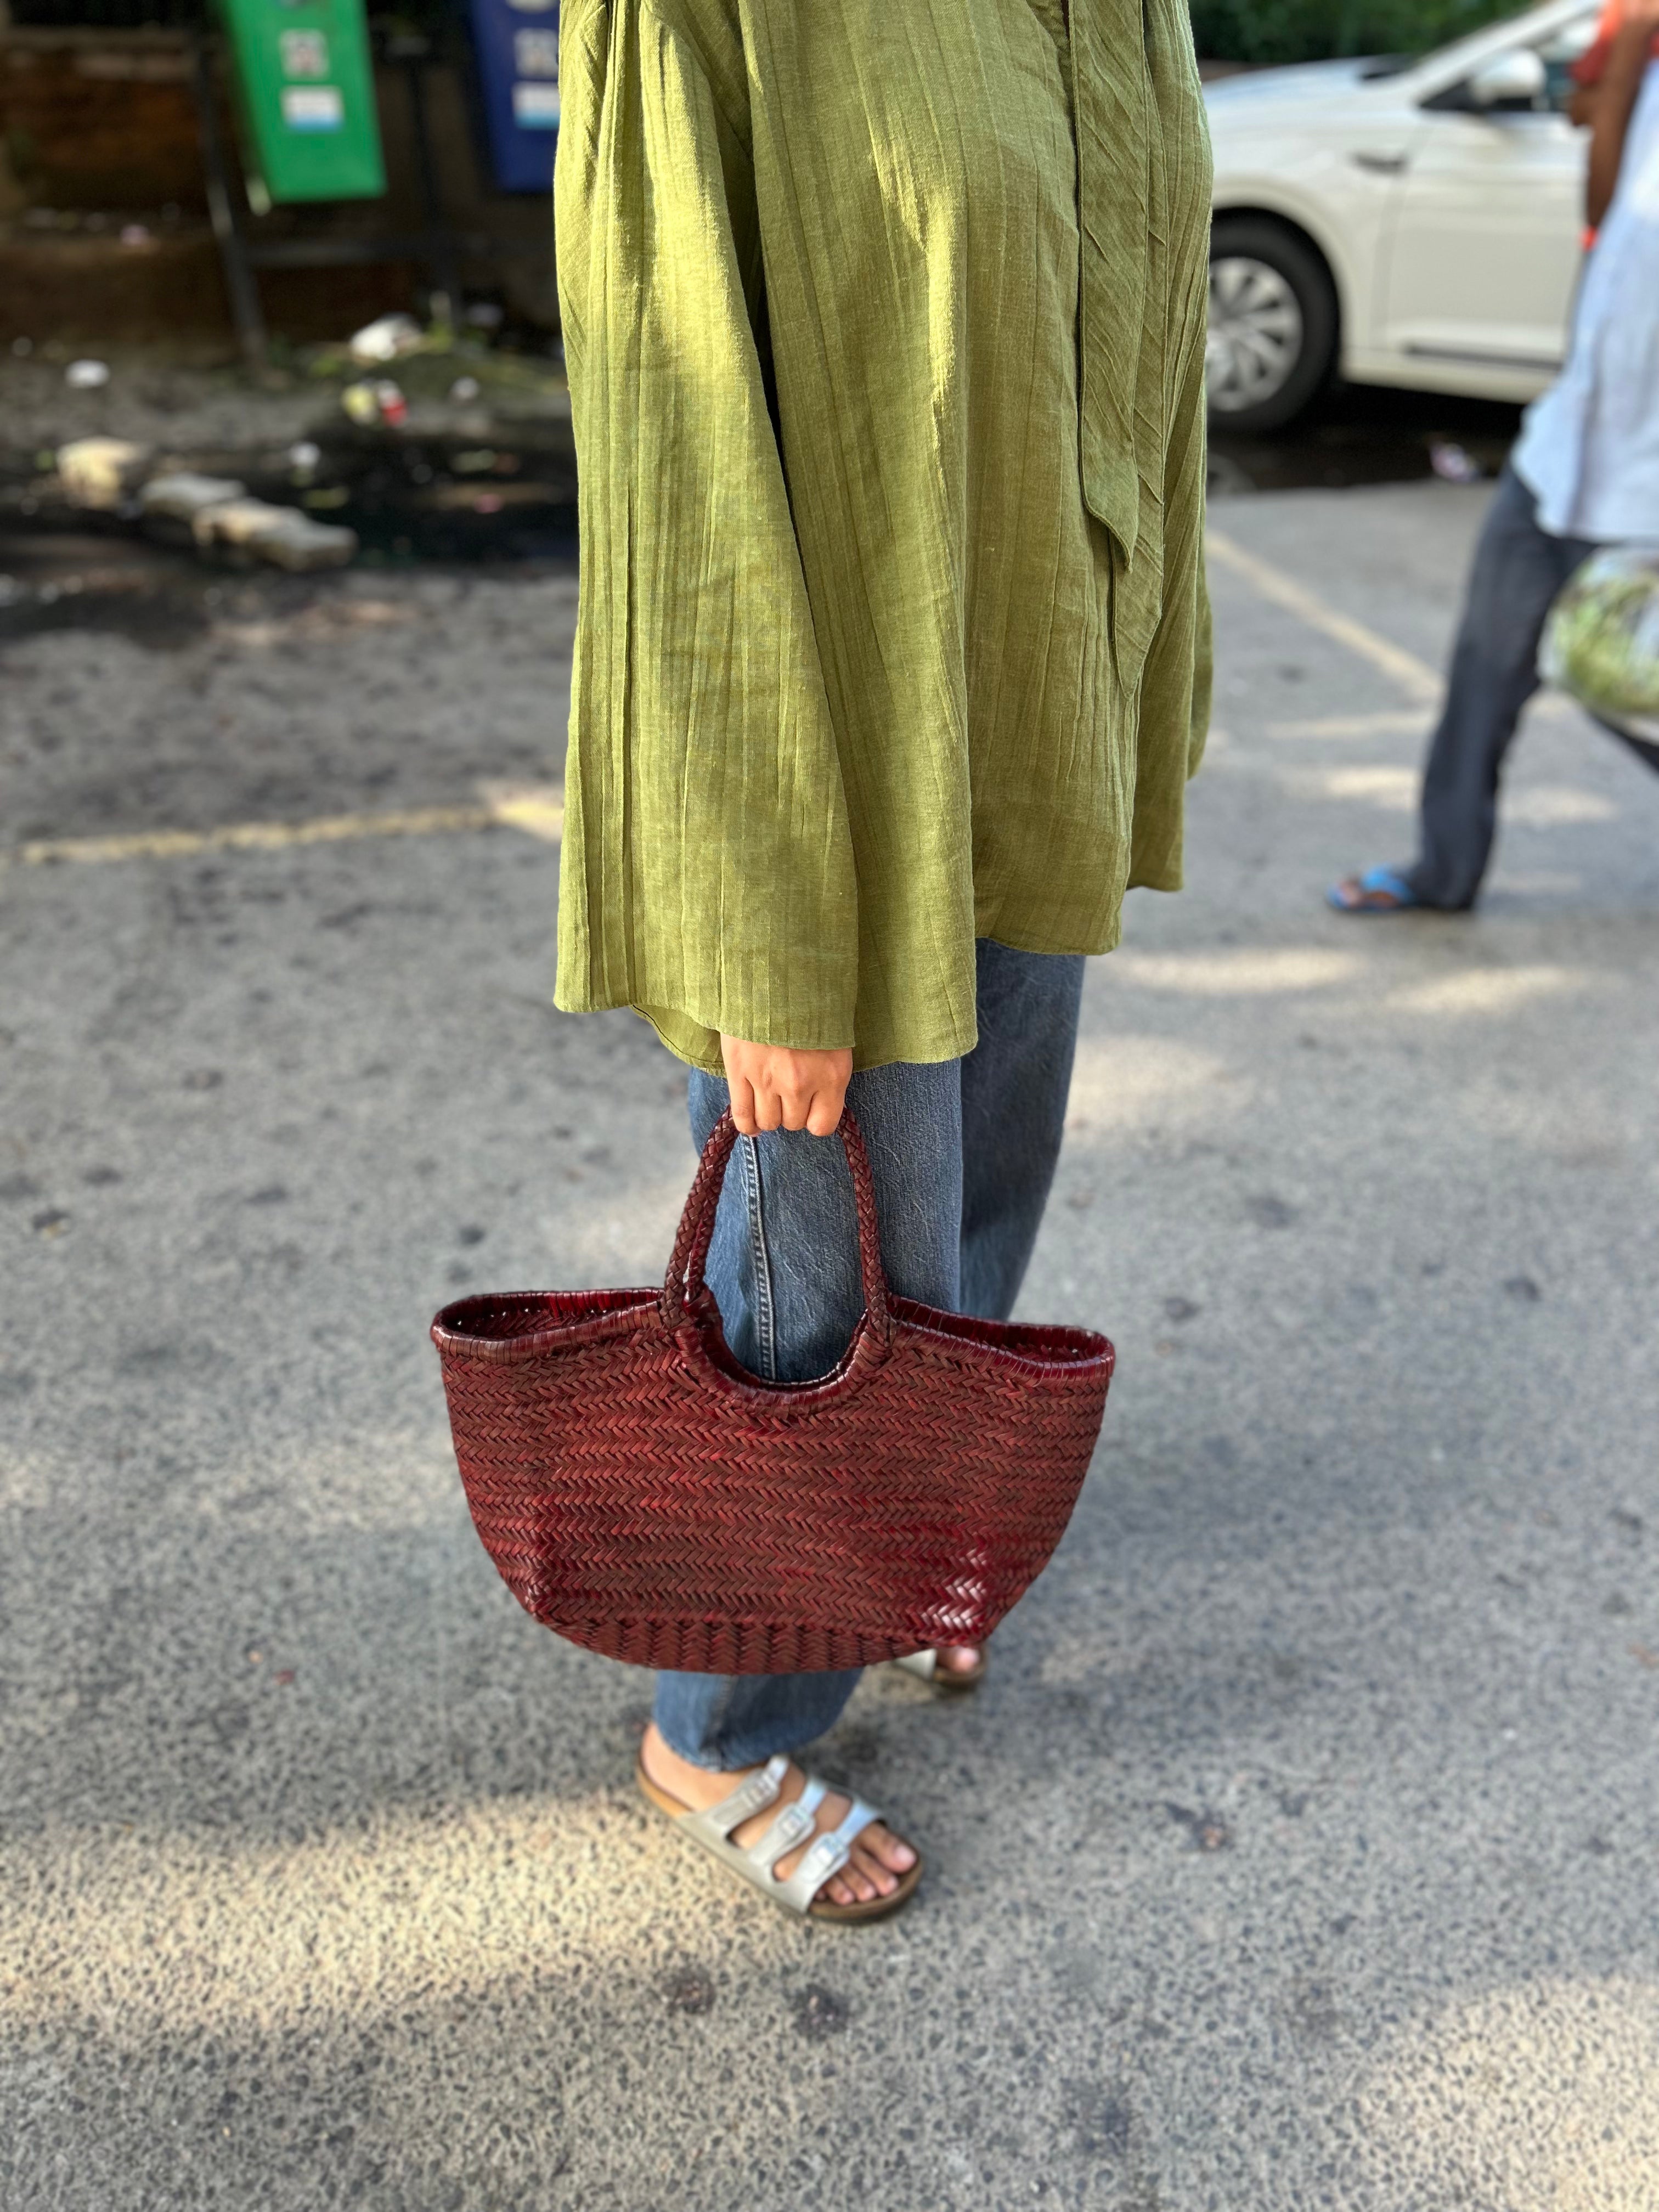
<point>792,1825</point>
<point>784,1834</point>
<point>753,1795</point>
<point>827,1856</point>
<point>922,1664</point>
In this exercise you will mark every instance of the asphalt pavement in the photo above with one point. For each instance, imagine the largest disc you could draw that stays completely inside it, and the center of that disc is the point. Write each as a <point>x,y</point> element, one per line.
<point>1299,1850</point>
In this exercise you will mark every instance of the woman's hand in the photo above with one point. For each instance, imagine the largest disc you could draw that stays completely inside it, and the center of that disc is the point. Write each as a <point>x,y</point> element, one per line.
<point>774,1088</point>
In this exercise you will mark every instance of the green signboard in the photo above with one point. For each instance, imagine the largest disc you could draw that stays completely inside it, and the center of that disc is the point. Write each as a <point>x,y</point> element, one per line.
<point>307,92</point>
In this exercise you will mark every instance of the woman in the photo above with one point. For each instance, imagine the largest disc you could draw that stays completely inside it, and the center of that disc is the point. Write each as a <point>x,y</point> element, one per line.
<point>885,325</point>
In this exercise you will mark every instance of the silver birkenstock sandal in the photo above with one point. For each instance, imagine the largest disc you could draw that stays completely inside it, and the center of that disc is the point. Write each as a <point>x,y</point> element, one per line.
<point>925,1665</point>
<point>787,1833</point>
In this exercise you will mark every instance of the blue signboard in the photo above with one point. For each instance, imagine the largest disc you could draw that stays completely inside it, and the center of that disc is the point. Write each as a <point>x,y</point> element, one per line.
<point>518,46</point>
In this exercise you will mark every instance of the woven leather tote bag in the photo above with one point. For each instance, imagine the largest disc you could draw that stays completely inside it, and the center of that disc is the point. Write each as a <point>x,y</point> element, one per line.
<point>644,1495</point>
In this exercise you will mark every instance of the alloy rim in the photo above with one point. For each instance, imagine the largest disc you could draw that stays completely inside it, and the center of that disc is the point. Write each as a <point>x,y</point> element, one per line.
<point>1255,334</point>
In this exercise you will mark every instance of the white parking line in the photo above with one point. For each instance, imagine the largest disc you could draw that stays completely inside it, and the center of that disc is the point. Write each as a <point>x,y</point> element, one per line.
<point>1414,677</point>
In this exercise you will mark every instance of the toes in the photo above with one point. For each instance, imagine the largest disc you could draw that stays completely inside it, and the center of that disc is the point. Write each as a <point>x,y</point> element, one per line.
<point>891,1852</point>
<point>870,1867</point>
<point>878,1860</point>
<point>862,1881</point>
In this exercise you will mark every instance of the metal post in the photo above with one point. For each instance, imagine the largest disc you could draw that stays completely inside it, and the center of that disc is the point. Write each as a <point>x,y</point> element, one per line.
<point>239,281</point>
<point>444,304</point>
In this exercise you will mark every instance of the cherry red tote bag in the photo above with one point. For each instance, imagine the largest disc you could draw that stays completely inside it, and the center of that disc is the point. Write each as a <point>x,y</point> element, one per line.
<point>644,1495</point>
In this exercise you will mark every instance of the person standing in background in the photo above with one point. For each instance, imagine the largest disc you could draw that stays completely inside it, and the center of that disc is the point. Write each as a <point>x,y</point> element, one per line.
<point>1584,474</point>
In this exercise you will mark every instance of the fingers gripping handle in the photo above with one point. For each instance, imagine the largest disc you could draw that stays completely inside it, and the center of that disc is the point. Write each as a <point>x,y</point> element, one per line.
<point>690,1255</point>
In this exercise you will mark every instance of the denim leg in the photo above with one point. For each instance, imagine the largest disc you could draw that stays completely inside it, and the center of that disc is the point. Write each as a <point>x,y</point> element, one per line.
<point>1518,570</point>
<point>783,1264</point>
<point>1014,1087</point>
<point>725,1722</point>
<point>784,1270</point>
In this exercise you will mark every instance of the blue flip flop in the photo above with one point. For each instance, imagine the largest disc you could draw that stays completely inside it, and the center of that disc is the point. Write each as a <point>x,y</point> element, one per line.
<point>1381,890</point>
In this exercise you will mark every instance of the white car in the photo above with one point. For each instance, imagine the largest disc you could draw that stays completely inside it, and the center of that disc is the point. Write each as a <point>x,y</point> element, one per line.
<point>1397,222</point>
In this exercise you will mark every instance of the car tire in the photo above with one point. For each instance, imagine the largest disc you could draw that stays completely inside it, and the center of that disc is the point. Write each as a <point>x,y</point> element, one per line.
<point>1272,325</point>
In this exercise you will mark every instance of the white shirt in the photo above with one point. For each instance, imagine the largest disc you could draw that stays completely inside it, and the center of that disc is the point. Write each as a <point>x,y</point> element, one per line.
<point>1589,446</point>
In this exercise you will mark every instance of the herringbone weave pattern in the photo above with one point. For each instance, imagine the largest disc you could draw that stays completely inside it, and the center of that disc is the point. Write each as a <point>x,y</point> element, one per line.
<point>643,1496</point>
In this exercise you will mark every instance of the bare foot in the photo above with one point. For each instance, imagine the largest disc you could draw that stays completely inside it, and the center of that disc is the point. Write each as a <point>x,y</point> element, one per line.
<point>880,1856</point>
<point>958,1658</point>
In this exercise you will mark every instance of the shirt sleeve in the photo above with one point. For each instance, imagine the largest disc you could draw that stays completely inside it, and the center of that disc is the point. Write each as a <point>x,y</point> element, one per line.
<point>707,876</point>
<point>1198,730</point>
<point>1175,680</point>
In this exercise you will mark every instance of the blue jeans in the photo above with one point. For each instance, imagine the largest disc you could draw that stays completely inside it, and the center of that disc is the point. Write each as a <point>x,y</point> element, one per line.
<point>964,1154</point>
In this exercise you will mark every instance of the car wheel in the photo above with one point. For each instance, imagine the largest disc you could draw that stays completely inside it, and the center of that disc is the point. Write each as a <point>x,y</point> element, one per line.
<point>1272,325</point>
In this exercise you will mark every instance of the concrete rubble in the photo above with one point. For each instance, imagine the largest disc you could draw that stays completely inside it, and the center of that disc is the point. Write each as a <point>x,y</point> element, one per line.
<point>281,534</point>
<point>220,512</point>
<point>182,496</point>
<point>101,472</point>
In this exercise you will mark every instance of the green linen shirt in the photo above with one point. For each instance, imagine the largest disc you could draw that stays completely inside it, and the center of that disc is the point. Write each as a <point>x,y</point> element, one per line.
<point>885,325</point>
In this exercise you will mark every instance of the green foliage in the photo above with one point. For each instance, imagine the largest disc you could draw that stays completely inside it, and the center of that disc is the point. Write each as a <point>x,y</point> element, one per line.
<point>1312,30</point>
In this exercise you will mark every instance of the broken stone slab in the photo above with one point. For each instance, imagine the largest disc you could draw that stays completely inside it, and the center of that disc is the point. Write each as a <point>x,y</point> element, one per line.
<point>234,521</point>
<point>183,495</point>
<point>280,534</point>
<point>302,544</point>
<point>219,512</point>
<point>101,472</point>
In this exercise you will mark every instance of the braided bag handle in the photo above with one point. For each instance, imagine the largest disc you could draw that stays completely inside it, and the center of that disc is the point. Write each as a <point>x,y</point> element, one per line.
<point>683,1282</point>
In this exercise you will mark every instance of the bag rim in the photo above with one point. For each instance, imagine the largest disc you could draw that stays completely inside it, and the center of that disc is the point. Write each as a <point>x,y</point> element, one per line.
<point>638,1309</point>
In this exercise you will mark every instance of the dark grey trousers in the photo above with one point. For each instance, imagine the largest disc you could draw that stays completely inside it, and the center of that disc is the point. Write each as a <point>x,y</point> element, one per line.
<point>1518,570</point>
